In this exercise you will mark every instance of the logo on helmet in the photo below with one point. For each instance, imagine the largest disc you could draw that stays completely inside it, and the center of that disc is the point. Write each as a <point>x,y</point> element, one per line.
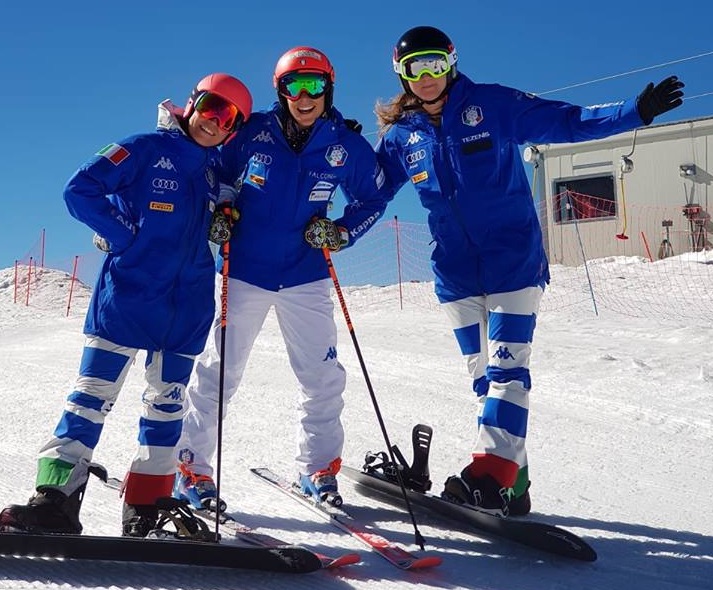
<point>307,53</point>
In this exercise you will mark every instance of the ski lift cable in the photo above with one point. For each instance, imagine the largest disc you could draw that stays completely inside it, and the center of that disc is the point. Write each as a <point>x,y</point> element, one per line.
<point>636,71</point>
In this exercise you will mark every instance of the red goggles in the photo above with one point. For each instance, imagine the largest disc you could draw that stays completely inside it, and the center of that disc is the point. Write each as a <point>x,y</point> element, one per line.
<point>314,84</point>
<point>212,106</point>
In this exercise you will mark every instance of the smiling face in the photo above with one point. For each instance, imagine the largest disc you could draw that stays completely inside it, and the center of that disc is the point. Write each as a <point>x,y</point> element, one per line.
<point>206,132</point>
<point>306,110</point>
<point>429,88</point>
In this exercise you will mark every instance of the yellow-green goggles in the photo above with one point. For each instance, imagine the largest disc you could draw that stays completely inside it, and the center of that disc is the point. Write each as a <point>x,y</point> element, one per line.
<point>414,66</point>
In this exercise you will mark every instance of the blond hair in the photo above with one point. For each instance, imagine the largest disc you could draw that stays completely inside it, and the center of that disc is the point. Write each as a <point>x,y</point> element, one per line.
<point>389,112</point>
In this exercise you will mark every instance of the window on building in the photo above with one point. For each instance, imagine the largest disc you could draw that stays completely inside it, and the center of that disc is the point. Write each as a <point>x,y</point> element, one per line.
<point>584,198</point>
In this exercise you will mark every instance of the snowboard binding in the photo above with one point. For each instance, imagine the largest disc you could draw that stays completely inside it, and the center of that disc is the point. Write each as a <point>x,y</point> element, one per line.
<point>416,476</point>
<point>176,513</point>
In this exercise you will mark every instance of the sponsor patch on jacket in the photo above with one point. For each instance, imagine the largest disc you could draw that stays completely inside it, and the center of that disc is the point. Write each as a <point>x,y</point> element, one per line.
<point>158,206</point>
<point>477,146</point>
<point>420,177</point>
<point>472,115</point>
<point>255,179</point>
<point>336,155</point>
<point>115,153</point>
<point>162,185</point>
<point>321,191</point>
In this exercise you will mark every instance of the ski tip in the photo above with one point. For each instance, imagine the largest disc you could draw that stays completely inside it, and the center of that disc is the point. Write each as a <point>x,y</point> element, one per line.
<point>425,562</point>
<point>342,560</point>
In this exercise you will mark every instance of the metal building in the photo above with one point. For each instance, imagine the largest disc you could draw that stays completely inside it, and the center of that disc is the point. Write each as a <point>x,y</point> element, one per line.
<point>643,193</point>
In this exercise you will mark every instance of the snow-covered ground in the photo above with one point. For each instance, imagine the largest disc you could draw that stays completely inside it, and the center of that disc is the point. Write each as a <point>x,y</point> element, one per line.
<point>619,443</point>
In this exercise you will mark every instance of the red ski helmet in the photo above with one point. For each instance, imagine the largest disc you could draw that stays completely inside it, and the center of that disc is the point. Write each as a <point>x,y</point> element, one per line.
<point>305,59</point>
<point>228,88</point>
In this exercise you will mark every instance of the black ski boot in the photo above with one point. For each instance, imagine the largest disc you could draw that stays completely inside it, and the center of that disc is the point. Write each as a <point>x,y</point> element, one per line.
<point>48,511</point>
<point>138,520</point>
<point>51,509</point>
<point>481,492</point>
<point>520,505</point>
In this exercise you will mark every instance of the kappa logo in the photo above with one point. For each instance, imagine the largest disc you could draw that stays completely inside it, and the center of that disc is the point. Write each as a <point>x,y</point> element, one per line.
<point>414,138</point>
<point>264,137</point>
<point>175,393</point>
<point>165,164</point>
<point>331,354</point>
<point>503,353</point>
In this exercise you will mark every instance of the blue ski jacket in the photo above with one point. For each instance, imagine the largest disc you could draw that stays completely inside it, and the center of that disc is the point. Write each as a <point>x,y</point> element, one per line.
<point>469,175</point>
<point>151,196</point>
<point>280,191</point>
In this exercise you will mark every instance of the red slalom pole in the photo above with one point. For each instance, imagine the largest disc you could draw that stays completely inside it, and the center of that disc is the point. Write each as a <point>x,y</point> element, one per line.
<point>221,380</point>
<point>352,333</point>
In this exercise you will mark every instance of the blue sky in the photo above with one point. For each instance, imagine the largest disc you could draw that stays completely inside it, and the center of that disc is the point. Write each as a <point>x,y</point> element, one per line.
<point>78,76</point>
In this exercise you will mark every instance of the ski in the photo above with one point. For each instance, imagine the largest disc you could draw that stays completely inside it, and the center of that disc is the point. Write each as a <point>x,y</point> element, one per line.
<point>249,536</point>
<point>380,480</point>
<point>345,522</point>
<point>282,559</point>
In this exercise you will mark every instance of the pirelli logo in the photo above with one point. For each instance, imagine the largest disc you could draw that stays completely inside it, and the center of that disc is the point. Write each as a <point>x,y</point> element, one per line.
<point>420,177</point>
<point>156,206</point>
<point>255,179</point>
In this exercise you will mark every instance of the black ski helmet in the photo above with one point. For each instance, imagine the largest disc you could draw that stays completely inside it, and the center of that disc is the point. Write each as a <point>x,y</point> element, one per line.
<point>422,39</point>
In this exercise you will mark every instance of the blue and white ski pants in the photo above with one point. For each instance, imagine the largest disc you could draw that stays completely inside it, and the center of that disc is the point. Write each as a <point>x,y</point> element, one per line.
<point>102,373</point>
<point>495,335</point>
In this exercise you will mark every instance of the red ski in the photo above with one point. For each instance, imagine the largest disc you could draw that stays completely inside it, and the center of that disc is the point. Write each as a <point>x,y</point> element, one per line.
<point>341,519</point>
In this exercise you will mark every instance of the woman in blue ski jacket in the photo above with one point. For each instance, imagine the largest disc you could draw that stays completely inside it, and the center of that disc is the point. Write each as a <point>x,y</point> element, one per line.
<point>457,142</point>
<point>286,165</point>
<point>151,198</point>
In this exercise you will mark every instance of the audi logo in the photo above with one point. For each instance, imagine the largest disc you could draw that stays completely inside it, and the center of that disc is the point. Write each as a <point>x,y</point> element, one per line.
<point>262,158</point>
<point>414,157</point>
<point>165,184</point>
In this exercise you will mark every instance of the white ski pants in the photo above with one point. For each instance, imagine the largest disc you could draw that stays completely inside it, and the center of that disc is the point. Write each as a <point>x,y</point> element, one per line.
<point>305,315</point>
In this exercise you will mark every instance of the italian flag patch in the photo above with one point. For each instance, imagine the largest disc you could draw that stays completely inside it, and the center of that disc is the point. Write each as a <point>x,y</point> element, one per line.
<point>115,153</point>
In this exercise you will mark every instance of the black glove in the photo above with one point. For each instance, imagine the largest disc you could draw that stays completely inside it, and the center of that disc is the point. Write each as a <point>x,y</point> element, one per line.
<point>221,225</point>
<point>323,233</point>
<point>659,99</point>
<point>353,124</point>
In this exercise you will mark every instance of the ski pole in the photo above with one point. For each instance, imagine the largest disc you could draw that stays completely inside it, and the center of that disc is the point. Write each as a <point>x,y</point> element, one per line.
<point>352,333</point>
<point>221,379</point>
